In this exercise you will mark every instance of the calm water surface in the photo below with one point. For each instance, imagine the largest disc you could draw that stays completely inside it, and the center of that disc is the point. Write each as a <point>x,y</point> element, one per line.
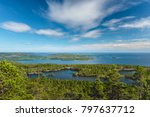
<point>68,75</point>
<point>64,75</point>
<point>103,58</point>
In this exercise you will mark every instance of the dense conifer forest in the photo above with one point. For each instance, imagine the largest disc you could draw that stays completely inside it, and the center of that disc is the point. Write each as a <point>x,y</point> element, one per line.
<point>16,85</point>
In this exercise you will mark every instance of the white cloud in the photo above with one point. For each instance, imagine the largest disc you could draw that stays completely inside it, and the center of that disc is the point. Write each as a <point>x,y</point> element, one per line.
<point>85,14</point>
<point>140,23</point>
<point>15,26</point>
<point>49,32</point>
<point>120,46</point>
<point>91,34</point>
<point>75,39</point>
<point>135,45</point>
<point>75,13</point>
<point>113,22</point>
<point>21,27</point>
<point>113,28</point>
<point>133,40</point>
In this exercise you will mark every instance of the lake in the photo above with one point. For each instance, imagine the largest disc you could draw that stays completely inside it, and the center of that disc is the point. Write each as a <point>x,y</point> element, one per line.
<point>68,75</point>
<point>99,58</point>
<point>62,74</point>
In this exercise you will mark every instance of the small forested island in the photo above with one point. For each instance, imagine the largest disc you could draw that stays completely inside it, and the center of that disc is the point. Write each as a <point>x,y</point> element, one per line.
<point>15,83</point>
<point>30,56</point>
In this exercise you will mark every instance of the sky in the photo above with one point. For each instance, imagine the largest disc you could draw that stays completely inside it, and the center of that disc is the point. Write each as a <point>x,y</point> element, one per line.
<point>75,26</point>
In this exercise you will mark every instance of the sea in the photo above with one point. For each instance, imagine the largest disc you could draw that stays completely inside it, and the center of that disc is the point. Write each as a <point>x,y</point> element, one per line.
<point>142,59</point>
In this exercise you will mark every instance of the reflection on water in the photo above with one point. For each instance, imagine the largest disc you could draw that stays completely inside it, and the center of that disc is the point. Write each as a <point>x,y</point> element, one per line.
<point>62,74</point>
<point>69,75</point>
<point>125,73</point>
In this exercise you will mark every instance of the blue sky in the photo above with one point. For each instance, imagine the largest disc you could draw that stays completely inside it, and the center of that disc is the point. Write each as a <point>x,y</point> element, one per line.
<point>74,25</point>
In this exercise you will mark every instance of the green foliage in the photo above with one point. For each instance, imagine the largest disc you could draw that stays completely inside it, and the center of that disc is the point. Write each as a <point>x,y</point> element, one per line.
<point>14,83</point>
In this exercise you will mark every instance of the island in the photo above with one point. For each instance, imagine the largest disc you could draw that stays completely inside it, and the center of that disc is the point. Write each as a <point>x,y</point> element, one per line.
<point>33,56</point>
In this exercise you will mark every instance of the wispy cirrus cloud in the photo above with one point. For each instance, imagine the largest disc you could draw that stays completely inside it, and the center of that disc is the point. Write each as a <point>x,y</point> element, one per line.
<point>113,23</point>
<point>15,26</point>
<point>132,45</point>
<point>135,45</point>
<point>85,14</point>
<point>88,35</point>
<point>48,32</point>
<point>139,23</point>
<point>92,34</point>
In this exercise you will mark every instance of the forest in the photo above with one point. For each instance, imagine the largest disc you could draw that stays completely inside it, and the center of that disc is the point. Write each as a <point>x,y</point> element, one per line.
<point>16,85</point>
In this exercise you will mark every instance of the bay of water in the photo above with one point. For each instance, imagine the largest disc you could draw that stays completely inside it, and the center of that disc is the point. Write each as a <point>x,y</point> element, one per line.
<point>100,58</point>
